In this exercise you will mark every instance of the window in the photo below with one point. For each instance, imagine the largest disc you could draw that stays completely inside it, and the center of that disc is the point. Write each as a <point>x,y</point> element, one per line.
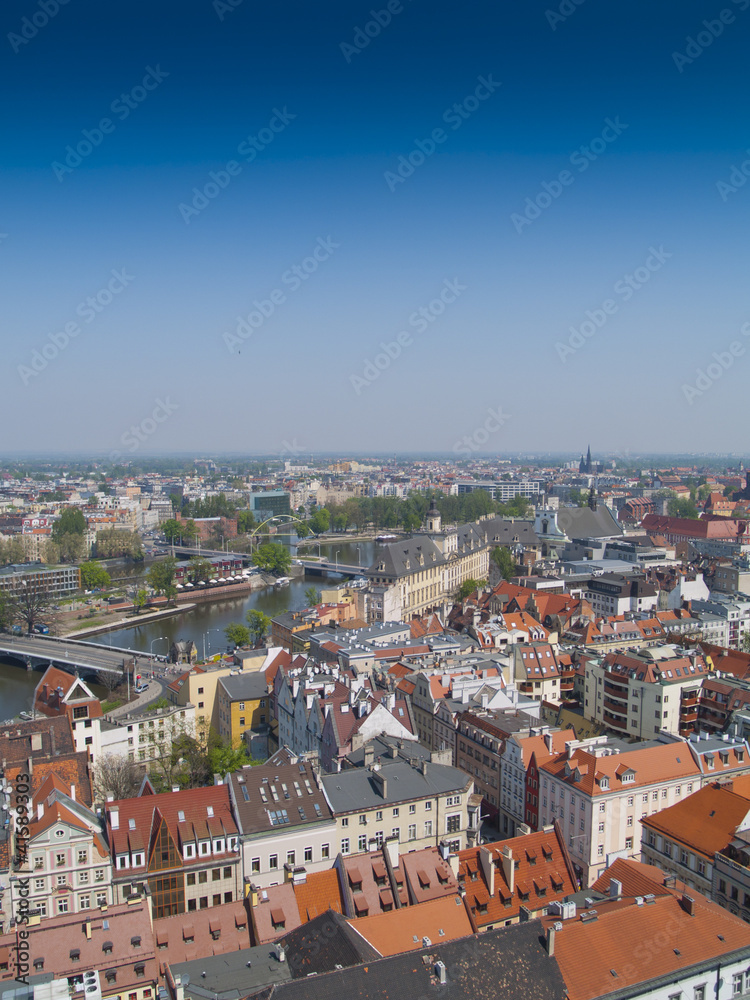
<point>428,806</point>
<point>62,904</point>
<point>202,877</point>
<point>738,980</point>
<point>308,854</point>
<point>363,820</point>
<point>628,843</point>
<point>84,902</point>
<point>216,874</point>
<point>83,877</point>
<point>428,828</point>
<point>362,842</point>
<point>395,813</point>
<point>273,862</point>
<point>602,807</point>
<point>325,851</point>
<point>412,809</point>
<point>39,884</point>
<point>601,828</point>
<point>453,823</point>
<point>99,875</point>
<point>62,879</point>
<point>630,800</point>
<point>629,821</point>
<point>699,992</point>
<point>60,860</point>
<point>101,899</point>
<point>345,821</point>
<point>701,866</point>
<point>413,831</point>
<point>600,851</point>
<point>290,857</point>
<point>345,845</point>
<point>82,857</point>
<point>191,878</point>
<point>255,866</point>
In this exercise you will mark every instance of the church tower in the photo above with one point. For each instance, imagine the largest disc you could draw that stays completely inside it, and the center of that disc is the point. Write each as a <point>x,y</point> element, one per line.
<point>434,521</point>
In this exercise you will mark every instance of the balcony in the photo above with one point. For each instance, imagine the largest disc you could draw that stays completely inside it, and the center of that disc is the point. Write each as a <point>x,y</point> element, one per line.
<point>616,707</point>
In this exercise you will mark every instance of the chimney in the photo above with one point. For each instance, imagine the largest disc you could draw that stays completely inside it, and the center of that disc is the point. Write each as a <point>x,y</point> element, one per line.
<point>36,742</point>
<point>39,810</point>
<point>114,817</point>
<point>551,940</point>
<point>688,904</point>
<point>391,846</point>
<point>441,973</point>
<point>369,754</point>
<point>508,864</point>
<point>615,888</point>
<point>548,742</point>
<point>87,930</point>
<point>488,869</point>
<point>73,792</point>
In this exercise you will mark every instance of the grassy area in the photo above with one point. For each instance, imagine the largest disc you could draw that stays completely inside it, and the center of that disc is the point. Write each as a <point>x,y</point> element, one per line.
<point>108,706</point>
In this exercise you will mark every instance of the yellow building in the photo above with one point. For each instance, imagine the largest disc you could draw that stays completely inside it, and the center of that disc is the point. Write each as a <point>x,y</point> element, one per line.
<point>243,703</point>
<point>198,687</point>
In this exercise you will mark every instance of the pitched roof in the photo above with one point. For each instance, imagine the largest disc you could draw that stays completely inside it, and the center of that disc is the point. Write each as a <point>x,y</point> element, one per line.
<point>622,931</point>
<point>325,943</point>
<point>636,878</point>
<point>705,821</point>
<point>398,931</point>
<point>320,893</point>
<point>650,764</point>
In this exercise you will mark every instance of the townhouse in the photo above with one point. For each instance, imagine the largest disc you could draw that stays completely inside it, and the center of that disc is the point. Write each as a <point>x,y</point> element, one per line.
<point>285,823</point>
<point>182,845</point>
<point>421,805</point>
<point>520,759</point>
<point>243,705</point>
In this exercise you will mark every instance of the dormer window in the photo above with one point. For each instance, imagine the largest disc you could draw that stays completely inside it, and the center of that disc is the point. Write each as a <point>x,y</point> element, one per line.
<point>122,861</point>
<point>209,811</point>
<point>189,850</point>
<point>219,846</point>
<point>604,783</point>
<point>204,848</point>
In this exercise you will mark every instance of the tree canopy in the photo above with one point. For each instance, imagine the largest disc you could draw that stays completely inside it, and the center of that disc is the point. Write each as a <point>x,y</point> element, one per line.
<point>94,576</point>
<point>258,624</point>
<point>273,558</point>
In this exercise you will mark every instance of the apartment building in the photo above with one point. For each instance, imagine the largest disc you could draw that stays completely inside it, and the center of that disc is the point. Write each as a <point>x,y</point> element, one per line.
<point>243,705</point>
<point>644,692</point>
<point>71,869</point>
<point>520,759</point>
<point>183,845</point>
<point>285,822</point>
<point>421,805</point>
<point>599,793</point>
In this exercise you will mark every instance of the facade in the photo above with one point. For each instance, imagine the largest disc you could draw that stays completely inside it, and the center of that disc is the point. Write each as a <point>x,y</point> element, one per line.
<point>645,692</point>
<point>71,870</point>
<point>243,705</point>
<point>611,594</point>
<point>599,794</point>
<point>61,693</point>
<point>521,757</point>
<point>285,822</point>
<point>269,503</point>
<point>55,580</point>
<point>183,844</point>
<point>146,736</point>
<point>421,806</point>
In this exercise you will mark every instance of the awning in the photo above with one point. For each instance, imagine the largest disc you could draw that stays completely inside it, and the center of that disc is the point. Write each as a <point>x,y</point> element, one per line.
<point>277,916</point>
<point>386,897</point>
<point>214,926</point>
<point>188,932</point>
<point>162,938</point>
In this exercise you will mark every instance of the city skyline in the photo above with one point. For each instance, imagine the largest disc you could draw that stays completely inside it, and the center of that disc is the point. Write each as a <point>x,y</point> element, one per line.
<point>365,230</point>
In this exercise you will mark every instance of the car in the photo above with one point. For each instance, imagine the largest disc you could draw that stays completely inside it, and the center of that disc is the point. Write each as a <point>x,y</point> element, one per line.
<point>41,629</point>
<point>141,688</point>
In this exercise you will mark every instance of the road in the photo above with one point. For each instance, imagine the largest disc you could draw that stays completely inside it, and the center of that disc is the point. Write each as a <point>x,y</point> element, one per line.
<point>76,653</point>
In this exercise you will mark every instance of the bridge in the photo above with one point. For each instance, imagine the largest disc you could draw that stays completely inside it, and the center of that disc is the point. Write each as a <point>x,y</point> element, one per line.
<point>166,548</point>
<point>325,566</point>
<point>70,652</point>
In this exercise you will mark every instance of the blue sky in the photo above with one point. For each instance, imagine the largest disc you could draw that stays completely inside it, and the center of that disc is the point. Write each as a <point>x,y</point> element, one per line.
<point>515,92</point>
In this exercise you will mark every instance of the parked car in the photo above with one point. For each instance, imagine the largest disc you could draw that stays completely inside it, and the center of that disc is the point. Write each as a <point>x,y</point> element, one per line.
<point>41,629</point>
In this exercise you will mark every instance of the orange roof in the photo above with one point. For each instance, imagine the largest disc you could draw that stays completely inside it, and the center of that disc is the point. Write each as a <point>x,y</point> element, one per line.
<point>319,893</point>
<point>597,957</point>
<point>536,746</point>
<point>650,765</point>
<point>705,821</point>
<point>398,931</point>
<point>636,878</point>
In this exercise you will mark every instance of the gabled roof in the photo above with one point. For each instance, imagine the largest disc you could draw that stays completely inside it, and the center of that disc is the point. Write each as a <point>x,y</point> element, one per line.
<point>705,821</point>
<point>439,920</point>
<point>326,943</point>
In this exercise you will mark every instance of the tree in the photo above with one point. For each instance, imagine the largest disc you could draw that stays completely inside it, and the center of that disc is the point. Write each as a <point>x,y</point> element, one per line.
<point>113,543</point>
<point>70,547</point>
<point>70,522</point>
<point>302,529</point>
<point>199,569</point>
<point>468,587</point>
<point>31,606</point>
<point>273,558</point>
<point>238,634</point>
<point>109,679</point>
<point>140,599</point>
<point>116,775</point>
<point>258,624</point>
<point>682,507</point>
<point>161,576</point>
<point>320,521</point>
<point>172,529</point>
<point>502,558</point>
<point>94,576</point>
<point>245,521</point>
<point>312,596</point>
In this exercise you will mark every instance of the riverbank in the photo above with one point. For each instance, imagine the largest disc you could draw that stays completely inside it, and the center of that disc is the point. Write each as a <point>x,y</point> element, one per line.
<point>118,622</point>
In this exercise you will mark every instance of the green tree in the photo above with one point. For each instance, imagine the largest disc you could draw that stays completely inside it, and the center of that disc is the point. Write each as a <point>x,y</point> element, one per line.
<point>258,624</point>
<point>468,587</point>
<point>94,576</point>
<point>320,521</point>
<point>172,529</point>
<point>237,634</point>
<point>502,558</point>
<point>199,569</point>
<point>312,596</point>
<point>245,521</point>
<point>139,600</point>
<point>682,507</point>
<point>302,529</point>
<point>161,576</point>
<point>70,546</point>
<point>273,559</point>
<point>70,522</point>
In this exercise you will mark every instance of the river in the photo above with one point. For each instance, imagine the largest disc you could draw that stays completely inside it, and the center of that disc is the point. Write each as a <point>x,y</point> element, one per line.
<point>206,622</point>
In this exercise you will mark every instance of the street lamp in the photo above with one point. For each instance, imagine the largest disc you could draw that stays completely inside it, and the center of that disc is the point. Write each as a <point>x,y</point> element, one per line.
<point>337,558</point>
<point>157,639</point>
<point>204,641</point>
